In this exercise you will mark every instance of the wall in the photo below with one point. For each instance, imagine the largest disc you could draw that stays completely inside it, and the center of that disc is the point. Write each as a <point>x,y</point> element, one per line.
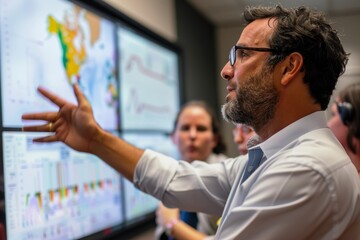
<point>157,15</point>
<point>199,55</point>
<point>350,37</point>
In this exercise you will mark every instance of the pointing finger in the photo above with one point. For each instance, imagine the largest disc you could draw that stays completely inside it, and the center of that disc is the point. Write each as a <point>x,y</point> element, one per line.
<point>81,99</point>
<point>52,97</point>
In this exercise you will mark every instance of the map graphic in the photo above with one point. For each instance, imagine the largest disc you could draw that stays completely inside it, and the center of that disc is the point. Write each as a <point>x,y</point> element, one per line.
<point>56,44</point>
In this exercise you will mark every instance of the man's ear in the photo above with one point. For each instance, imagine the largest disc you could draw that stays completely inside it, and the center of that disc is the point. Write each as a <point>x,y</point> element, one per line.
<point>293,65</point>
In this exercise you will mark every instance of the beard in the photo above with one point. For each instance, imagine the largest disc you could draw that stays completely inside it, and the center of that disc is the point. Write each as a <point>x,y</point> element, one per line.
<point>255,101</point>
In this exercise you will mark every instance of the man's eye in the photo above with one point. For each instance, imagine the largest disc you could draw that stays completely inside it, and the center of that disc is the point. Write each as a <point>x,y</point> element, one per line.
<point>242,53</point>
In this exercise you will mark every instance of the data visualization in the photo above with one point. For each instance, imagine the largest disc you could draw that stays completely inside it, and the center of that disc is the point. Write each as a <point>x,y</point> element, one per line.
<point>55,44</point>
<point>53,192</point>
<point>149,85</point>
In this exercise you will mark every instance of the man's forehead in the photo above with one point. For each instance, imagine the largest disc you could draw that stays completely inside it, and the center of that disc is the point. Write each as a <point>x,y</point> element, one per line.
<point>257,33</point>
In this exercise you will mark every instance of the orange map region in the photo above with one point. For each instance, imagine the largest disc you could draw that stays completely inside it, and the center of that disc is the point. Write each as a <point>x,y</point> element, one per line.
<point>94,23</point>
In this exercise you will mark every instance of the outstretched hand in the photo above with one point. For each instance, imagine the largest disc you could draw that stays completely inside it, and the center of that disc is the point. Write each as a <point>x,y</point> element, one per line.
<point>72,124</point>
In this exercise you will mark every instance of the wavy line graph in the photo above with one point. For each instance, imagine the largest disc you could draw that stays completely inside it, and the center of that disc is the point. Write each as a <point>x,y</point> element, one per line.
<point>134,104</point>
<point>135,60</point>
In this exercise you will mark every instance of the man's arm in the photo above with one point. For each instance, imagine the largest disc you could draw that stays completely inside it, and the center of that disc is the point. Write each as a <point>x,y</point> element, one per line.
<point>76,127</point>
<point>178,183</point>
<point>119,154</point>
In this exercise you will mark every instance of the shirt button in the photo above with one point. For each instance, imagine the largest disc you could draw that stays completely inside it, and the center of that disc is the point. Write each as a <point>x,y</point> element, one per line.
<point>250,169</point>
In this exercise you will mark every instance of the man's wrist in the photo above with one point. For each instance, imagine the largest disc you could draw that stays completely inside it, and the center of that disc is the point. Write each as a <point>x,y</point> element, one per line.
<point>169,226</point>
<point>97,139</point>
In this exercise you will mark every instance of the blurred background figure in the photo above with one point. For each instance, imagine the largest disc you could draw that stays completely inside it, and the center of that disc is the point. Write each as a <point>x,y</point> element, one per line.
<point>345,121</point>
<point>241,135</point>
<point>196,135</point>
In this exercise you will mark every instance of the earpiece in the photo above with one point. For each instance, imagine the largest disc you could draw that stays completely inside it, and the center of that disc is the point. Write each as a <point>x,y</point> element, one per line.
<point>346,112</point>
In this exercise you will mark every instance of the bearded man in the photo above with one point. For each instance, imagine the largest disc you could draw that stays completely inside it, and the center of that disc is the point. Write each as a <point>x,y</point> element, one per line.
<point>296,182</point>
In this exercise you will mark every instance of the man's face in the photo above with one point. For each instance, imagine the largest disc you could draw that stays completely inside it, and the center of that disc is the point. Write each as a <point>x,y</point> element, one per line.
<point>252,97</point>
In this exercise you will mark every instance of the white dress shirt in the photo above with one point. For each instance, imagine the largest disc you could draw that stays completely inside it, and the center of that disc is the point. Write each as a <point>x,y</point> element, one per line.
<point>305,188</point>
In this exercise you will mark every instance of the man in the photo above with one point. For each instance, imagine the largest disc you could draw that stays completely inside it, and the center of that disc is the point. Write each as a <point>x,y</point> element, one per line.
<point>280,76</point>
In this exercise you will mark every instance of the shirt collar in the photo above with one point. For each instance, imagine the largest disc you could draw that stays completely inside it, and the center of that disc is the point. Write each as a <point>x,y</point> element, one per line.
<point>288,134</point>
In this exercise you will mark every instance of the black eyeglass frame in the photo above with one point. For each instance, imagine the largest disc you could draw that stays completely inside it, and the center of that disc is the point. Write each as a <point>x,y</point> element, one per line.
<point>232,53</point>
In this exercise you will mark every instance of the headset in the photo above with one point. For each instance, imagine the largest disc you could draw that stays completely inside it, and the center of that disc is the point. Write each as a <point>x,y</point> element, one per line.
<point>346,112</point>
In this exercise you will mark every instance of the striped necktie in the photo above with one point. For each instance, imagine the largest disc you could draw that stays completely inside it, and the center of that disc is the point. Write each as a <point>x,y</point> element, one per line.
<point>255,156</point>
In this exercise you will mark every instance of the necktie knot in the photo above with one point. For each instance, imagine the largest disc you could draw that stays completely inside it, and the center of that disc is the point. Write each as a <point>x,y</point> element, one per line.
<point>255,156</point>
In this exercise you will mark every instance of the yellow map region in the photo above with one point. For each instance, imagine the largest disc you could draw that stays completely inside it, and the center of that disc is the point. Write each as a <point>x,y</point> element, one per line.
<point>70,32</point>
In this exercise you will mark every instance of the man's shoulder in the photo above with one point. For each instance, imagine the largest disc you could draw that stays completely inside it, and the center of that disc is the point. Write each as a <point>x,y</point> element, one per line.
<point>318,150</point>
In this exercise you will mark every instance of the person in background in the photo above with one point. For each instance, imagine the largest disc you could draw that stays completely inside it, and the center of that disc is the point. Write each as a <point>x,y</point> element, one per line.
<point>297,182</point>
<point>241,136</point>
<point>196,134</point>
<point>345,121</point>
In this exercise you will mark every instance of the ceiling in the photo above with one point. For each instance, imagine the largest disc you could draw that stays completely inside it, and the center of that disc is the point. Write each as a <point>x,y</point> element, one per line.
<point>228,12</point>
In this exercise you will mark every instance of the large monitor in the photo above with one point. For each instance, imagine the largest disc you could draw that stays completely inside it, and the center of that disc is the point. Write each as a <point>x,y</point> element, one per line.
<point>53,192</point>
<point>130,76</point>
<point>136,202</point>
<point>55,44</point>
<point>149,83</point>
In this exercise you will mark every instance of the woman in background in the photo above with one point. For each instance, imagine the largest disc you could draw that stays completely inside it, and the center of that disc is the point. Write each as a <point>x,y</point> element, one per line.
<point>197,136</point>
<point>345,121</point>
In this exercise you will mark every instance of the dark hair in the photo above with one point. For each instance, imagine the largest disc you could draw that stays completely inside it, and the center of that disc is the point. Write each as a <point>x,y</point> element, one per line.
<point>351,94</point>
<point>307,32</point>
<point>215,125</point>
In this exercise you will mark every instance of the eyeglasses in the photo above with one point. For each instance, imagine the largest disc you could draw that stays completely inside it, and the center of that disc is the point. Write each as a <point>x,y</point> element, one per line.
<point>232,54</point>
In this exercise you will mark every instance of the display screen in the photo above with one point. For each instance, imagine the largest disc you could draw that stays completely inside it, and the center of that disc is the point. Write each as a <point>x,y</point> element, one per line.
<point>149,84</point>
<point>159,142</point>
<point>53,192</point>
<point>55,44</point>
<point>131,79</point>
<point>136,202</point>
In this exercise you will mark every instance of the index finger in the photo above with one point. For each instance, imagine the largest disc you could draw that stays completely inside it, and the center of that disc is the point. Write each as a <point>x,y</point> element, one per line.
<point>52,97</point>
<point>80,97</point>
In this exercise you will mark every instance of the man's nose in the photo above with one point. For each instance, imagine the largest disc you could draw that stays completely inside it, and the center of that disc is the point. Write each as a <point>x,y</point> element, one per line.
<point>227,72</point>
